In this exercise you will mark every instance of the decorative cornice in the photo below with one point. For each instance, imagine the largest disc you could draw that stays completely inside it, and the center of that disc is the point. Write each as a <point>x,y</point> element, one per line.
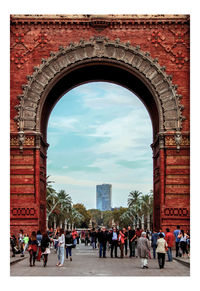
<point>118,18</point>
<point>98,22</point>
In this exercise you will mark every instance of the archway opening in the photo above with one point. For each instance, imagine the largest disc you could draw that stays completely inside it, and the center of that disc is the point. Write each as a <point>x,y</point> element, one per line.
<point>100,133</point>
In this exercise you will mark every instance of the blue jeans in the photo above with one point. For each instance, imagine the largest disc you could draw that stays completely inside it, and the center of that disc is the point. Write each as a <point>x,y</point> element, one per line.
<point>132,248</point>
<point>60,253</point>
<point>154,251</point>
<point>169,253</point>
<point>102,247</point>
<point>68,251</point>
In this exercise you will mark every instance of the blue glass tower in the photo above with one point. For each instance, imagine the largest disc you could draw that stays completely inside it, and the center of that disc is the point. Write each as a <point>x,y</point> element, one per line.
<point>103,197</point>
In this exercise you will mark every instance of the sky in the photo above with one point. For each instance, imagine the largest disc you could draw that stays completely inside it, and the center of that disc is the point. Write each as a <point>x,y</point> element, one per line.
<point>100,133</point>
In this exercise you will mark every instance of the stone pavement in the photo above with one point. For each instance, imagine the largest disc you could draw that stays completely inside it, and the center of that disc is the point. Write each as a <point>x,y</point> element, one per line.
<point>87,263</point>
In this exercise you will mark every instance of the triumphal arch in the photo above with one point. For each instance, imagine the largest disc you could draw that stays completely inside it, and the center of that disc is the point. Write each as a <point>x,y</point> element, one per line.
<point>51,54</point>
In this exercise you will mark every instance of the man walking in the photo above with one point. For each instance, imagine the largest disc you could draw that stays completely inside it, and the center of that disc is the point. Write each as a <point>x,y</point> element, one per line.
<point>169,239</point>
<point>132,238</point>
<point>93,238</point>
<point>102,238</point>
<point>154,239</point>
<point>114,242</point>
<point>177,240</point>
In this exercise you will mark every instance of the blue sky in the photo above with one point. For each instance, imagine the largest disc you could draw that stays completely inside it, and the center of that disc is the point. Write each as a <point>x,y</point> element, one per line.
<point>100,133</point>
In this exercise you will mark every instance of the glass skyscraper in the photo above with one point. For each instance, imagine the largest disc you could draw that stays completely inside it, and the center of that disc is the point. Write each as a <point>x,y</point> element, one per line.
<point>103,197</point>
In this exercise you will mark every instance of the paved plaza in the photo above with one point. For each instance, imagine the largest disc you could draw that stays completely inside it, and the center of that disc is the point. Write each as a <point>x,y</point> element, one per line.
<point>87,263</point>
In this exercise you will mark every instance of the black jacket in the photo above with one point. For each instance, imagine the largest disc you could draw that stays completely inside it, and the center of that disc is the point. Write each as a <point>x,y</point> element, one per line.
<point>45,242</point>
<point>68,239</point>
<point>131,234</point>
<point>103,237</point>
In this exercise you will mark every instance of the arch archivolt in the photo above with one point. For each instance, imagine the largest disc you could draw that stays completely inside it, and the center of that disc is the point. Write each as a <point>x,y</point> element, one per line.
<point>100,49</point>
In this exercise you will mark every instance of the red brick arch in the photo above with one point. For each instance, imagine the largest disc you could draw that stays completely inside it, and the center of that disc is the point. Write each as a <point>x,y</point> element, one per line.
<point>99,51</point>
<point>98,58</point>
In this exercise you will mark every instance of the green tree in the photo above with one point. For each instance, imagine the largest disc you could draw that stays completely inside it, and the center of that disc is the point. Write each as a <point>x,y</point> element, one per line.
<point>95,216</point>
<point>107,218</point>
<point>64,204</point>
<point>85,213</point>
<point>117,213</point>
<point>134,197</point>
<point>58,203</point>
<point>74,217</point>
<point>50,195</point>
<point>147,207</point>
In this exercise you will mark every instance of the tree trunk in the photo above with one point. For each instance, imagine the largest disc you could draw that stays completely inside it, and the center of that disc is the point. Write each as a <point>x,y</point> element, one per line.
<point>54,222</point>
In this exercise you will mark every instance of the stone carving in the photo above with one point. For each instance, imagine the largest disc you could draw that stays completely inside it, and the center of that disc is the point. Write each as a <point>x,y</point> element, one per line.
<point>178,139</point>
<point>170,141</point>
<point>29,141</point>
<point>100,47</point>
<point>176,212</point>
<point>23,212</point>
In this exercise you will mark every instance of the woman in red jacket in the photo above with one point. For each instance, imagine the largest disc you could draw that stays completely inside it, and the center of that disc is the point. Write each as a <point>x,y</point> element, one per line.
<point>121,241</point>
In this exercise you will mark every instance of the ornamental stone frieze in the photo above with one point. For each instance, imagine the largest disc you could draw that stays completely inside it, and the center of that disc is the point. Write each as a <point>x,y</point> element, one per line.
<point>100,49</point>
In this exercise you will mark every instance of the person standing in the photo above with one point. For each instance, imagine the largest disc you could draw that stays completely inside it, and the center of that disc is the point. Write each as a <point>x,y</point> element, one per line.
<point>114,242</point>
<point>13,243</point>
<point>93,238</point>
<point>45,247</point>
<point>125,232</point>
<point>161,250</point>
<point>143,249</point>
<point>131,237</point>
<point>138,235</point>
<point>74,235</point>
<point>183,242</point>
<point>39,238</point>
<point>177,239</point>
<point>21,242</point>
<point>121,237</point>
<point>61,248</point>
<point>154,238</point>
<point>68,244</point>
<point>102,238</point>
<point>86,237</point>
<point>169,239</point>
<point>25,239</point>
<point>32,248</point>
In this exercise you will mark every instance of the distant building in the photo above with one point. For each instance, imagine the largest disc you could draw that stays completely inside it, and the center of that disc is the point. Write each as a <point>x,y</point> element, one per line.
<point>103,197</point>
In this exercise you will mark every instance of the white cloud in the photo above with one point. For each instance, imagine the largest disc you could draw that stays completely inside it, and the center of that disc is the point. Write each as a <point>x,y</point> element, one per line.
<point>67,180</point>
<point>63,123</point>
<point>106,95</point>
<point>124,134</point>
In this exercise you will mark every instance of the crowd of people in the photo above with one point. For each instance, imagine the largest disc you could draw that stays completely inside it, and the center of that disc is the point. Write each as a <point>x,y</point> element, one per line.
<point>125,242</point>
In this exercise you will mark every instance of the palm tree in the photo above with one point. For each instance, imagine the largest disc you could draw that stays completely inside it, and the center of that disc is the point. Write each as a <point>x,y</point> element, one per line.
<point>57,203</point>
<point>64,204</point>
<point>51,195</point>
<point>74,216</point>
<point>147,207</point>
<point>134,197</point>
